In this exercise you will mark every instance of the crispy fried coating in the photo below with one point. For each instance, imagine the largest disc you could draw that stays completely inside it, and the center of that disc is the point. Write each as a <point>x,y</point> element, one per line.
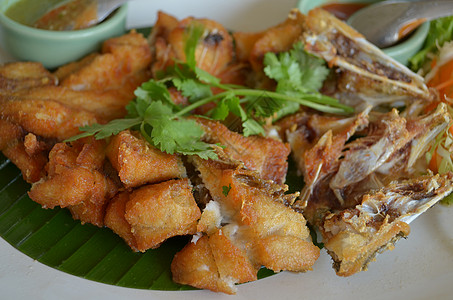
<point>46,118</point>
<point>259,224</point>
<point>138,163</point>
<point>104,104</point>
<point>90,212</point>
<point>252,47</point>
<point>214,263</point>
<point>290,253</point>
<point>149,215</point>
<point>52,106</point>
<point>267,156</point>
<point>10,132</point>
<point>213,53</point>
<point>195,265</point>
<point>165,23</point>
<point>31,166</point>
<point>279,234</point>
<point>121,66</point>
<point>159,211</point>
<point>354,236</point>
<point>94,90</point>
<point>76,179</point>
<point>24,76</point>
<point>115,219</point>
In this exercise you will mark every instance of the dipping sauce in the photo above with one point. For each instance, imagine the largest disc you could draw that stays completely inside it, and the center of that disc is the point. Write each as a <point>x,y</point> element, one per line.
<point>343,11</point>
<point>27,12</point>
<point>76,14</point>
<point>70,15</point>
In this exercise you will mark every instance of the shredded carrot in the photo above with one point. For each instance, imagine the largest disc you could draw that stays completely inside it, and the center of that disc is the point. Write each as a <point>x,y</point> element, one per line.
<point>431,106</point>
<point>443,80</point>
<point>444,84</point>
<point>434,162</point>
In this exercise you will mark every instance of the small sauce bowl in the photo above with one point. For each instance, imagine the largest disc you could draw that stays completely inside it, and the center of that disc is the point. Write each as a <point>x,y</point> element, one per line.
<point>55,48</point>
<point>402,51</point>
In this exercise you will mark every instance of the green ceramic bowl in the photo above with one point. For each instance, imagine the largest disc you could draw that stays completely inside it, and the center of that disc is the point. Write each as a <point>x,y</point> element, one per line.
<point>400,52</point>
<point>55,48</point>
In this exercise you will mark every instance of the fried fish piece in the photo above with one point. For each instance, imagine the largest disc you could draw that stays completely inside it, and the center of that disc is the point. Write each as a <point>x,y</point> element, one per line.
<point>115,220</point>
<point>76,179</point>
<point>149,215</point>
<point>252,47</point>
<point>17,76</point>
<point>95,91</point>
<point>46,118</point>
<point>255,217</point>
<point>213,262</point>
<point>213,52</point>
<point>338,170</point>
<point>365,75</point>
<point>31,163</point>
<point>121,66</point>
<point>267,156</point>
<point>137,162</point>
<point>53,106</point>
<point>354,236</point>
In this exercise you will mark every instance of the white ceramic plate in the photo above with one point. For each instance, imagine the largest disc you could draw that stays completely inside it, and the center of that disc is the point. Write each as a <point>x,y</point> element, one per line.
<point>420,267</point>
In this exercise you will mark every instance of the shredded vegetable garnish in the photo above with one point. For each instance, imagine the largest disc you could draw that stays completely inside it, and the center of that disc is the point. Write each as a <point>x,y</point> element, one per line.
<point>440,31</point>
<point>439,156</point>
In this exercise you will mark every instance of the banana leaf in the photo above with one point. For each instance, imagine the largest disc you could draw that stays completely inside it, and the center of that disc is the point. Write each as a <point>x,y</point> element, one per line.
<point>54,238</point>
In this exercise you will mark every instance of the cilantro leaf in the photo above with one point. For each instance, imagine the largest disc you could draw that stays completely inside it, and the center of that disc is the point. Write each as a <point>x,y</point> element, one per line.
<point>298,74</point>
<point>226,190</point>
<point>252,127</point>
<point>194,33</point>
<point>221,111</point>
<point>153,91</point>
<point>106,130</point>
<point>206,77</point>
<point>313,69</point>
<point>192,89</point>
<point>181,136</point>
<point>175,135</point>
<point>264,106</point>
<point>166,126</point>
<point>296,70</point>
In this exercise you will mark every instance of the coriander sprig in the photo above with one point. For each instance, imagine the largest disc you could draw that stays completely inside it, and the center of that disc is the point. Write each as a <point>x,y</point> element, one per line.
<point>165,125</point>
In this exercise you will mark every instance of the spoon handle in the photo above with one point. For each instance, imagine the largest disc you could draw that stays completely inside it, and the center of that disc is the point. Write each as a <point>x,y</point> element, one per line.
<point>105,7</point>
<point>428,10</point>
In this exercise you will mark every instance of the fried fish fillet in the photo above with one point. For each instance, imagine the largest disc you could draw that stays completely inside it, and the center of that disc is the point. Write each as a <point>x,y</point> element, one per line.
<point>138,163</point>
<point>267,156</point>
<point>76,179</point>
<point>52,106</point>
<point>256,225</point>
<point>364,74</point>
<point>149,215</point>
<point>354,236</point>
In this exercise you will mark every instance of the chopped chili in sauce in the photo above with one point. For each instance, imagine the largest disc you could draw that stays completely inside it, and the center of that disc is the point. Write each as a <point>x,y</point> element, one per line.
<point>76,14</point>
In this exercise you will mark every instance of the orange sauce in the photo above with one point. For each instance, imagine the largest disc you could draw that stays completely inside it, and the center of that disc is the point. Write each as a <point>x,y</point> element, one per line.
<point>76,14</point>
<point>343,10</point>
<point>409,27</point>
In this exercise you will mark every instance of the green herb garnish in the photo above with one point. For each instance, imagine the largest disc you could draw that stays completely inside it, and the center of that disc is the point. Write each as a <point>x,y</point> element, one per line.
<point>440,31</point>
<point>226,190</point>
<point>165,125</point>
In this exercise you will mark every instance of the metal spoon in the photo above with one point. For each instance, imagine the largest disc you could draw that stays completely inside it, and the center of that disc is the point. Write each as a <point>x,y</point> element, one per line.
<point>78,14</point>
<point>385,23</point>
<point>106,7</point>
